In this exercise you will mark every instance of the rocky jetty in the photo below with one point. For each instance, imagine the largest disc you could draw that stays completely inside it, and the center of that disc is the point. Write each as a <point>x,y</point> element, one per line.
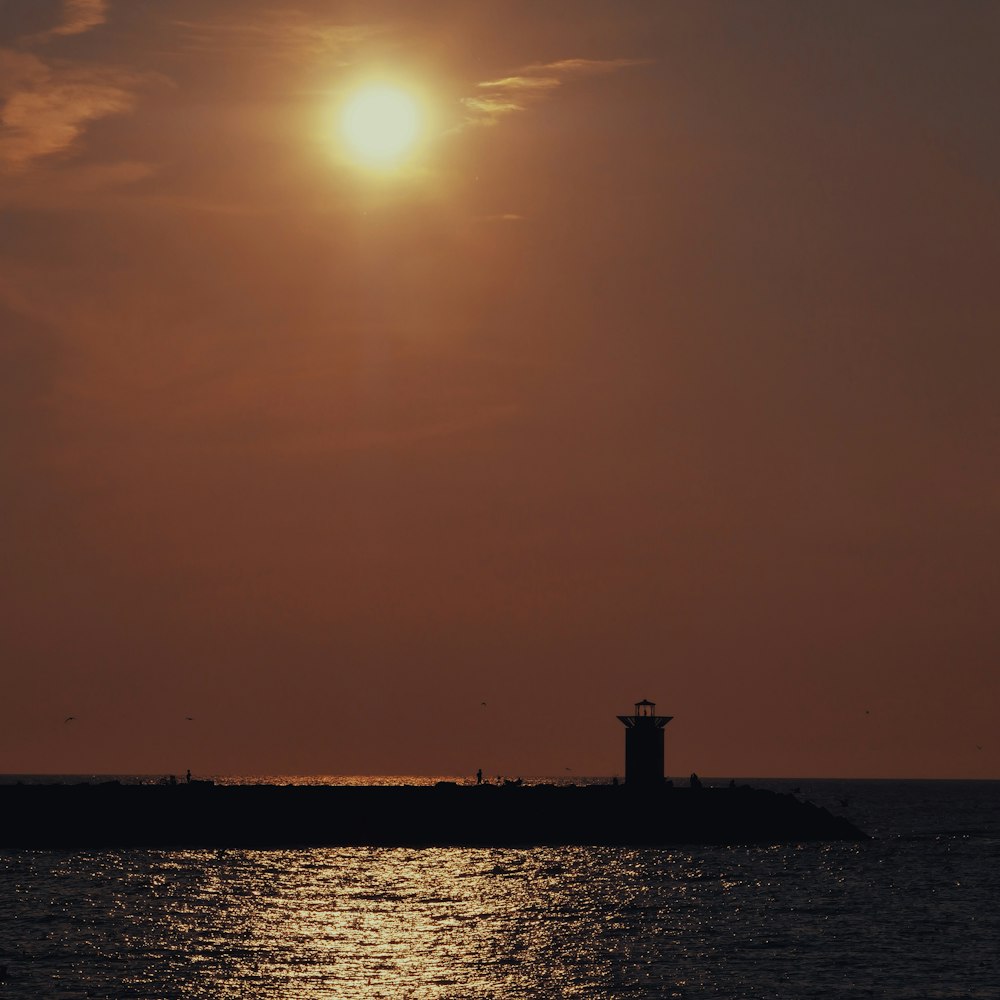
<point>201,814</point>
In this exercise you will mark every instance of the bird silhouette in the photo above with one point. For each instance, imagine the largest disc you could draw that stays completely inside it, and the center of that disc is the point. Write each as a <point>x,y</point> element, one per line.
<point>189,718</point>
<point>69,718</point>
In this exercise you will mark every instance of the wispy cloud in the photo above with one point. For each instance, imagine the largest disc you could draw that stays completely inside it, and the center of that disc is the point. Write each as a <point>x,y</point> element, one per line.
<point>78,16</point>
<point>506,95</point>
<point>585,66</point>
<point>272,34</point>
<point>47,106</point>
<point>492,108</point>
<point>515,83</point>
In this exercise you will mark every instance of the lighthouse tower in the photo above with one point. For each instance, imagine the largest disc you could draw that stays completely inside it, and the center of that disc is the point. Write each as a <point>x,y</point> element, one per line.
<point>644,745</point>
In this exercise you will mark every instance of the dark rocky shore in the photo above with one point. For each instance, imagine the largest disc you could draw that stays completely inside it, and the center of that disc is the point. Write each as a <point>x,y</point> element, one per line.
<point>205,815</point>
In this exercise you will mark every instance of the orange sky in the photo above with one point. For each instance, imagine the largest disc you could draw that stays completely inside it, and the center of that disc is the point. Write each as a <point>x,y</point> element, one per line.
<point>665,367</point>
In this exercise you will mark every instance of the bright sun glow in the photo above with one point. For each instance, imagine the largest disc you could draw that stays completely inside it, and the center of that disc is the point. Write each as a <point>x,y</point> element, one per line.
<point>380,124</point>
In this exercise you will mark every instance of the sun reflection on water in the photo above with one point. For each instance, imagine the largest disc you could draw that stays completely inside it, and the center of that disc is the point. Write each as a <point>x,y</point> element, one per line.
<point>431,923</point>
<point>418,923</point>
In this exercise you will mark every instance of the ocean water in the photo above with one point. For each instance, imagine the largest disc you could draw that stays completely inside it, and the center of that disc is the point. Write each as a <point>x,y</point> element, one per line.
<point>914,913</point>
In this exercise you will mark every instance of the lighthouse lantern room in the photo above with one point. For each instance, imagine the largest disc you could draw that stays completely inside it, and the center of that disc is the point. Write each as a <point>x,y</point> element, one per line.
<point>644,745</point>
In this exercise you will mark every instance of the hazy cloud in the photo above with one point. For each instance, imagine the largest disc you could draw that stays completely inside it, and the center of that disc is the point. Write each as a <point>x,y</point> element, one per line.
<point>275,33</point>
<point>522,83</point>
<point>491,108</point>
<point>47,189</point>
<point>585,66</point>
<point>46,107</point>
<point>78,16</point>
<point>532,83</point>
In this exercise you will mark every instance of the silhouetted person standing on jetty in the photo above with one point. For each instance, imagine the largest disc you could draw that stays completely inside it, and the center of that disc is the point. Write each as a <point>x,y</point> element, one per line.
<point>479,776</point>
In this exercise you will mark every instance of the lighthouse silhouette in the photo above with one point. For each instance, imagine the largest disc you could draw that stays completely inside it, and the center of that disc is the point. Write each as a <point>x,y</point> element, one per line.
<point>644,745</point>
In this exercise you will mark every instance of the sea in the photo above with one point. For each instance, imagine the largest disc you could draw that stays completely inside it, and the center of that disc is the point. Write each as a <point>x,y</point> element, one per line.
<point>912,914</point>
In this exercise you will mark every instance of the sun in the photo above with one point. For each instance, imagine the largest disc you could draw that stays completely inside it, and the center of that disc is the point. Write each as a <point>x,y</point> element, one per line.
<point>380,125</point>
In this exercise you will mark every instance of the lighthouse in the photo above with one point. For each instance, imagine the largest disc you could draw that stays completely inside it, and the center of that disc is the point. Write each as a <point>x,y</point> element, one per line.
<point>644,745</point>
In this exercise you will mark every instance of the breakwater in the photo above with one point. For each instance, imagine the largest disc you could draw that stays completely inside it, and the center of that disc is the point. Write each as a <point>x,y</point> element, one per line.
<point>206,815</point>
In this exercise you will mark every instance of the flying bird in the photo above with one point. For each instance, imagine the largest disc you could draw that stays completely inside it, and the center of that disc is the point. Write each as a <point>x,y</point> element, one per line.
<point>69,718</point>
<point>189,718</point>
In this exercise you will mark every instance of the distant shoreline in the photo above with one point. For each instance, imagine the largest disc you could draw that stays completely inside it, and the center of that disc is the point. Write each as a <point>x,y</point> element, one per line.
<point>392,780</point>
